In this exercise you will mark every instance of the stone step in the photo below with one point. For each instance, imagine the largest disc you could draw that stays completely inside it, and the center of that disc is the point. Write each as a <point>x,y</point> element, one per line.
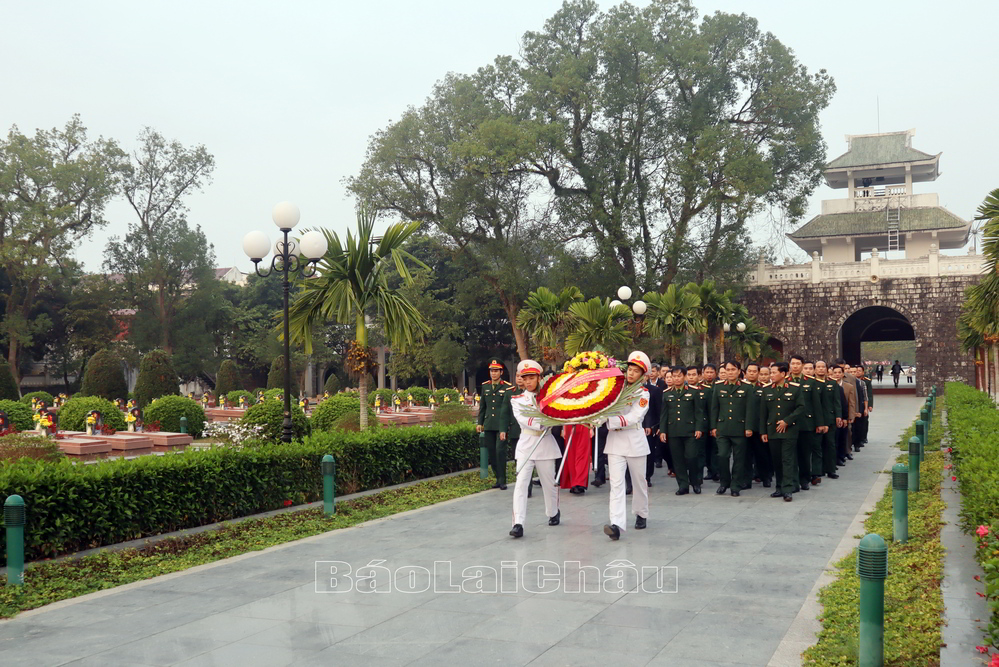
<point>84,448</point>
<point>164,441</point>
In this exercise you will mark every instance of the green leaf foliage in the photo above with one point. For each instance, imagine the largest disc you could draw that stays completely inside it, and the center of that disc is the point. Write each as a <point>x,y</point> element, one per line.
<point>104,377</point>
<point>421,395</point>
<point>233,397</point>
<point>453,413</point>
<point>168,410</point>
<point>275,377</point>
<point>386,395</point>
<point>73,415</point>
<point>38,395</point>
<point>270,414</point>
<point>72,507</point>
<point>332,385</point>
<point>228,379</point>
<point>15,446</point>
<point>18,414</point>
<point>446,391</point>
<point>156,378</point>
<point>329,412</point>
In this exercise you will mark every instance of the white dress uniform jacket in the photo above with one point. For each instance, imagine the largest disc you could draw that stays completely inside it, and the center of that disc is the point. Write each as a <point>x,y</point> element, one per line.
<point>625,434</point>
<point>532,433</point>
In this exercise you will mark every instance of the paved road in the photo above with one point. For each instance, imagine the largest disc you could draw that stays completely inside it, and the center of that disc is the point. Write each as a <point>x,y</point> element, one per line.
<point>745,568</point>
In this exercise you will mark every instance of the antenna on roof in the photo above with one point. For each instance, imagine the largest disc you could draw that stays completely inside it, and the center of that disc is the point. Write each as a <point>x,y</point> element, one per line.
<point>879,113</point>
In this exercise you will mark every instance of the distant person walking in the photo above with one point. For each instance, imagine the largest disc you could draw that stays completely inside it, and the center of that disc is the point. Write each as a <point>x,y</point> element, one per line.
<point>909,374</point>
<point>896,370</point>
<point>880,370</point>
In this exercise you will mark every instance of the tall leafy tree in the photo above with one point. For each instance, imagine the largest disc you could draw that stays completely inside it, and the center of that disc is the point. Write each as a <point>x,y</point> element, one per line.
<point>714,305</point>
<point>547,318</point>
<point>672,316</point>
<point>161,258</point>
<point>978,324</point>
<point>352,284</point>
<point>598,325</point>
<point>54,187</point>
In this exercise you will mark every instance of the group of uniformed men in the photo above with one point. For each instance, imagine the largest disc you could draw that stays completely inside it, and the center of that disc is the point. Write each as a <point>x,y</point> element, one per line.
<point>790,423</point>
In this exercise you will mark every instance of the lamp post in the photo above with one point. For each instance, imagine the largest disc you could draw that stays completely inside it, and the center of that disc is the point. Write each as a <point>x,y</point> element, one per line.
<point>726,327</point>
<point>638,308</point>
<point>287,260</point>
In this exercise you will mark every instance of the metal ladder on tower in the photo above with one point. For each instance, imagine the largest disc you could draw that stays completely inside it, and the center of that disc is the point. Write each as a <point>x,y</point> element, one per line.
<point>893,214</point>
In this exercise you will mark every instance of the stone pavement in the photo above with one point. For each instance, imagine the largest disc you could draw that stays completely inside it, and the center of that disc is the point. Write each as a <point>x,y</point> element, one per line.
<point>746,570</point>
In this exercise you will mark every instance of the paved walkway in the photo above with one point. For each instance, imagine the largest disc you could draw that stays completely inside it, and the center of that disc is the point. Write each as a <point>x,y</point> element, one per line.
<point>746,574</point>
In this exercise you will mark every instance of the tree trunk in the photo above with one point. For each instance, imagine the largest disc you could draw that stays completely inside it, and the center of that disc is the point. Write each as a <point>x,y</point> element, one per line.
<point>704,347</point>
<point>164,322</point>
<point>362,387</point>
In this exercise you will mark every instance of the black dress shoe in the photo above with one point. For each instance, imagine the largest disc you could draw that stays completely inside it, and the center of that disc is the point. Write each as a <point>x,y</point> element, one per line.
<point>856,449</point>
<point>628,492</point>
<point>598,482</point>
<point>776,494</point>
<point>832,475</point>
<point>697,489</point>
<point>517,530</point>
<point>529,487</point>
<point>816,480</point>
<point>735,494</point>
<point>721,490</point>
<point>766,484</point>
<point>840,462</point>
<point>788,498</point>
<point>537,482</point>
<point>849,457</point>
<point>496,485</point>
<point>554,520</point>
<point>659,464</point>
<point>684,491</point>
<point>804,487</point>
<point>612,532</point>
<point>715,477</point>
<point>639,523</point>
<point>502,487</point>
<point>648,482</point>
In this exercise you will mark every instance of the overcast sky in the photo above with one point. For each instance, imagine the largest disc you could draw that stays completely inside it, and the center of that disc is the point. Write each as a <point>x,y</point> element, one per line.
<point>285,95</point>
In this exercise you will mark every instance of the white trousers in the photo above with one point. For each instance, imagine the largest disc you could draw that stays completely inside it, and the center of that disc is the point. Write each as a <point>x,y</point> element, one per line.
<point>546,473</point>
<point>616,467</point>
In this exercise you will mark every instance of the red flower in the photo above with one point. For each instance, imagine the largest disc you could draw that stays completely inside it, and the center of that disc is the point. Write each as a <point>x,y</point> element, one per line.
<point>982,531</point>
<point>947,467</point>
<point>982,649</point>
<point>977,578</point>
<point>287,503</point>
<point>953,479</point>
<point>995,660</point>
<point>950,449</point>
<point>981,595</point>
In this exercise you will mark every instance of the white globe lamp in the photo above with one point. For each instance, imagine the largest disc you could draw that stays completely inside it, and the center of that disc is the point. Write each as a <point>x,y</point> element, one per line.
<point>624,293</point>
<point>256,245</point>
<point>285,215</point>
<point>639,307</point>
<point>313,245</point>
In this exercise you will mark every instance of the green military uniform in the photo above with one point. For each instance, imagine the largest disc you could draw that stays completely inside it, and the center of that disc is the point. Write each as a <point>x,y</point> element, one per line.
<point>683,413</point>
<point>757,450</point>
<point>831,407</point>
<point>783,402</point>
<point>809,442</point>
<point>513,426</point>
<point>708,454</point>
<point>493,420</point>
<point>728,417</point>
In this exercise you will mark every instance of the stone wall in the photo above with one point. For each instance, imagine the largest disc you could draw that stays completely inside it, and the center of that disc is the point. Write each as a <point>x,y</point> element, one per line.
<point>807,318</point>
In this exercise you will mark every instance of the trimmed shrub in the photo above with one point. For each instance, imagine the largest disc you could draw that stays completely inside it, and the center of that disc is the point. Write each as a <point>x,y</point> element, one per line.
<point>8,388</point>
<point>332,385</point>
<point>73,507</point>
<point>274,393</point>
<point>104,377</point>
<point>18,414</point>
<point>229,378</point>
<point>329,412</point>
<point>156,378</point>
<point>73,415</point>
<point>441,393</point>
<point>270,414</point>
<point>233,397</point>
<point>386,395</point>
<point>167,410</point>
<point>275,377</point>
<point>38,395</point>
<point>421,395</point>
<point>16,446</point>
<point>453,413</point>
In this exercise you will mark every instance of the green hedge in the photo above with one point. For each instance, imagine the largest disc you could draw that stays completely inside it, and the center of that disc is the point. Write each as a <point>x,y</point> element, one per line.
<point>71,507</point>
<point>73,415</point>
<point>167,410</point>
<point>233,397</point>
<point>386,395</point>
<point>8,388</point>
<point>18,414</point>
<point>441,393</point>
<point>270,414</point>
<point>332,385</point>
<point>156,378</point>
<point>421,395</point>
<point>39,395</point>
<point>104,377</point>
<point>329,412</point>
<point>229,378</point>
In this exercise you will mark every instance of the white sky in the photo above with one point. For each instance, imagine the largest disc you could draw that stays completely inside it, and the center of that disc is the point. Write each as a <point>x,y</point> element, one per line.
<point>285,95</point>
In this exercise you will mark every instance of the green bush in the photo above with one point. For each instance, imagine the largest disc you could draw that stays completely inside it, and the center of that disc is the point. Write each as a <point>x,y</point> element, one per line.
<point>8,388</point>
<point>453,413</point>
<point>421,395</point>
<point>156,378</point>
<point>73,507</point>
<point>274,393</point>
<point>233,397</point>
<point>270,415</point>
<point>329,412</point>
<point>441,393</point>
<point>104,377</point>
<point>386,395</point>
<point>18,414</point>
<point>275,377</point>
<point>229,378</point>
<point>332,385</point>
<point>16,446</point>
<point>73,415</point>
<point>38,395</point>
<point>167,410</point>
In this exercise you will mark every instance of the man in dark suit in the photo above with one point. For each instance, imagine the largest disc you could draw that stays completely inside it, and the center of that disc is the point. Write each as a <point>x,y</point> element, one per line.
<point>651,422</point>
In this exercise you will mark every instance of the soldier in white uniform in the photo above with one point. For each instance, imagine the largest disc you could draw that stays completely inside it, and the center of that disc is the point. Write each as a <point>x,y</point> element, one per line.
<point>627,448</point>
<point>535,449</point>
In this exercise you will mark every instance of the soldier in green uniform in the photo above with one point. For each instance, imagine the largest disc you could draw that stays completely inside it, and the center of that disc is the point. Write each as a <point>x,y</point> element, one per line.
<point>782,405</point>
<point>729,407</point>
<point>512,430</point>
<point>492,422</point>
<point>708,378</point>
<point>831,409</point>
<point>809,428</point>
<point>757,451</point>
<point>682,422</point>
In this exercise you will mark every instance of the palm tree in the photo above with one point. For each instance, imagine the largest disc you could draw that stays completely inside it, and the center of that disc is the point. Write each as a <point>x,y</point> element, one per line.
<point>672,316</point>
<point>597,324</point>
<point>715,306</point>
<point>749,343</point>
<point>978,325</point>
<point>546,317</point>
<point>352,281</point>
